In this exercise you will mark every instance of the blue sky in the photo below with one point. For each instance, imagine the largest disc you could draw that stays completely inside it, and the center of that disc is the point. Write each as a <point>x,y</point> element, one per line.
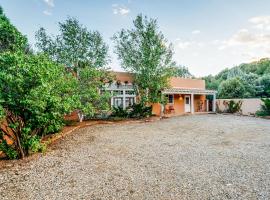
<point>208,35</point>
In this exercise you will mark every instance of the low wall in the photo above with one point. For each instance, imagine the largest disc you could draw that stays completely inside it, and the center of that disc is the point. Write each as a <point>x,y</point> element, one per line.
<point>249,106</point>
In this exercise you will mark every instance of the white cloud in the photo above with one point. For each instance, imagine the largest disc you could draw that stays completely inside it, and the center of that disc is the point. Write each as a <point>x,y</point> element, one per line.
<point>50,3</point>
<point>120,10</point>
<point>261,22</point>
<point>184,44</point>
<point>46,12</point>
<point>195,32</point>
<point>248,39</point>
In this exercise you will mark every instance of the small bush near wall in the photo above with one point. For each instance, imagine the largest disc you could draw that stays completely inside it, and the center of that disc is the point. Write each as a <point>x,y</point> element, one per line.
<point>135,111</point>
<point>140,111</point>
<point>119,112</point>
<point>234,107</point>
<point>265,108</point>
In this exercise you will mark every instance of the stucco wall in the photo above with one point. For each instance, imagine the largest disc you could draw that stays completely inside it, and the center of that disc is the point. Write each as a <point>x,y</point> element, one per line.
<point>249,106</point>
<point>179,104</point>
<point>175,82</point>
<point>187,83</point>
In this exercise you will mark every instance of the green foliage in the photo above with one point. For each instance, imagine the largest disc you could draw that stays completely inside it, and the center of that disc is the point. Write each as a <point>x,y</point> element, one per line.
<point>10,38</point>
<point>140,111</point>
<point>265,108</point>
<point>263,85</point>
<point>234,107</point>
<point>254,77</point>
<point>85,54</point>
<point>92,101</point>
<point>232,88</point>
<point>35,95</point>
<point>120,112</point>
<point>182,71</point>
<point>10,152</point>
<point>75,46</point>
<point>143,50</point>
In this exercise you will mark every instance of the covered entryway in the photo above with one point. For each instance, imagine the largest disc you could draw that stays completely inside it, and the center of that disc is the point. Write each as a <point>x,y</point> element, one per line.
<point>190,100</point>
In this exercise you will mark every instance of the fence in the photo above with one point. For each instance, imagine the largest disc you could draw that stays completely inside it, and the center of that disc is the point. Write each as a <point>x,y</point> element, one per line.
<point>249,106</point>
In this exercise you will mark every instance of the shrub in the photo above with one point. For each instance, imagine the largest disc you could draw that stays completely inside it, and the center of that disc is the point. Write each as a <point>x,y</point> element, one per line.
<point>265,108</point>
<point>135,111</point>
<point>35,93</point>
<point>140,111</point>
<point>119,112</point>
<point>234,107</point>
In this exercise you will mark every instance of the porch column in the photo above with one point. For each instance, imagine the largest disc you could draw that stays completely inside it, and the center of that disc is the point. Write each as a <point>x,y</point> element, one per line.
<point>124,99</point>
<point>112,99</point>
<point>192,104</point>
<point>214,102</point>
<point>207,105</point>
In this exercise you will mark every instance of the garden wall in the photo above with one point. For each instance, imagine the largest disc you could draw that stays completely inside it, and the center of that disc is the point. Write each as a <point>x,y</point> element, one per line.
<point>249,106</point>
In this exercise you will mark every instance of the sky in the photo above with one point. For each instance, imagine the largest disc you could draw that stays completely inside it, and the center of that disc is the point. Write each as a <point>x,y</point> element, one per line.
<point>207,35</point>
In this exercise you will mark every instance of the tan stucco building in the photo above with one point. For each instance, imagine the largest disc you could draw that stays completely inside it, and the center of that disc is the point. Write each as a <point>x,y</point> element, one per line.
<point>185,95</point>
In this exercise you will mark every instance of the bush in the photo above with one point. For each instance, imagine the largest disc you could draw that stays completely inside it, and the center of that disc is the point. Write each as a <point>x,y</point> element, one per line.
<point>119,112</point>
<point>140,111</point>
<point>135,111</point>
<point>35,93</point>
<point>234,107</point>
<point>265,108</point>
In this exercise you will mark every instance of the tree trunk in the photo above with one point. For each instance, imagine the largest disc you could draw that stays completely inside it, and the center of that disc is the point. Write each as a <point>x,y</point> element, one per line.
<point>81,116</point>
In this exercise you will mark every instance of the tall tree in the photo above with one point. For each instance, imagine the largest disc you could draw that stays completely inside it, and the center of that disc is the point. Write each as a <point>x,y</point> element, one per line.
<point>10,38</point>
<point>144,51</point>
<point>85,54</point>
<point>75,46</point>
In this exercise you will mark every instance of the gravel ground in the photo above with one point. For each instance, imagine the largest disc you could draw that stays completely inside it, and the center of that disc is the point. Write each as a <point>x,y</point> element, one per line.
<point>188,157</point>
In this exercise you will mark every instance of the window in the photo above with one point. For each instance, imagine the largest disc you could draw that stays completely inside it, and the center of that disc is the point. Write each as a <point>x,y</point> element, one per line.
<point>118,102</point>
<point>170,98</point>
<point>129,101</point>
<point>117,92</point>
<point>187,100</point>
<point>130,92</point>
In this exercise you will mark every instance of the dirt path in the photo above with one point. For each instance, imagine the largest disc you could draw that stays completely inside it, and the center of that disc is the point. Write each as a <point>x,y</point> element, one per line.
<point>189,157</point>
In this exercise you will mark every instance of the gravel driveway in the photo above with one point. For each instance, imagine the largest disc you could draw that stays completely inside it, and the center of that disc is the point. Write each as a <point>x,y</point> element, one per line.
<point>188,157</point>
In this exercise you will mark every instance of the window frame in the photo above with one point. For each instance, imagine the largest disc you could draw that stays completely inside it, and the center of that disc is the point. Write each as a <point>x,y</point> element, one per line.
<point>168,97</point>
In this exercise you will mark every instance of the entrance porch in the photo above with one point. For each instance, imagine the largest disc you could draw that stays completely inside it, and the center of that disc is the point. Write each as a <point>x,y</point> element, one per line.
<point>183,101</point>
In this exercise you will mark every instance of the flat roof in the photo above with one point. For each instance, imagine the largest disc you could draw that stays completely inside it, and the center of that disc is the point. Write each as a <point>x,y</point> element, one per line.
<point>188,91</point>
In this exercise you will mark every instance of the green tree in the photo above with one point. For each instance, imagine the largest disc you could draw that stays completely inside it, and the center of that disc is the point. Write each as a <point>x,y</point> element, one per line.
<point>10,38</point>
<point>144,51</point>
<point>263,84</point>
<point>75,46</point>
<point>232,88</point>
<point>35,93</point>
<point>85,54</point>
<point>181,71</point>
<point>93,98</point>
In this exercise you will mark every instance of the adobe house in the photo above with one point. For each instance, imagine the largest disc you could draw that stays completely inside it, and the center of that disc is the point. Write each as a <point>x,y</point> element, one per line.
<point>184,96</point>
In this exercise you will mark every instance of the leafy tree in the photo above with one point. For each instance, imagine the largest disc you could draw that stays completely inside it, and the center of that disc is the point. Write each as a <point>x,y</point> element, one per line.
<point>211,82</point>
<point>75,46</point>
<point>263,84</point>
<point>85,54</point>
<point>35,93</point>
<point>232,88</point>
<point>10,38</point>
<point>182,71</point>
<point>143,50</point>
<point>93,99</point>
